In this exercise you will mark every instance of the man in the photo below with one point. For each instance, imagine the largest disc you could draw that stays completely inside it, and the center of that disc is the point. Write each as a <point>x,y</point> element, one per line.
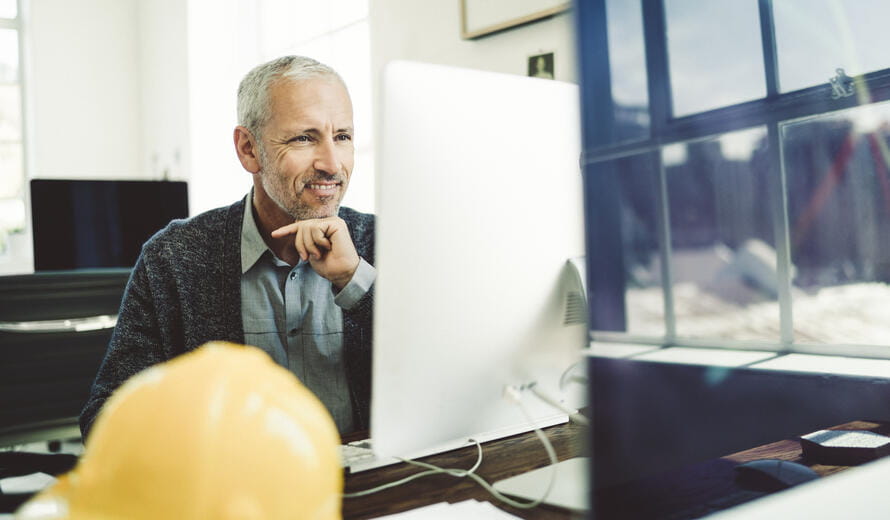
<point>285,269</point>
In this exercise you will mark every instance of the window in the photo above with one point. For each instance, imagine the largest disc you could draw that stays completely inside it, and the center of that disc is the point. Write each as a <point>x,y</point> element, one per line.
<point>12,173</point>
<point>337,34</point>
<point>746,204</point>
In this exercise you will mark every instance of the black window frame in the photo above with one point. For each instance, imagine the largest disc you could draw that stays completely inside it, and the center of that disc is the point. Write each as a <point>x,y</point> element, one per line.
<point>605,262</point>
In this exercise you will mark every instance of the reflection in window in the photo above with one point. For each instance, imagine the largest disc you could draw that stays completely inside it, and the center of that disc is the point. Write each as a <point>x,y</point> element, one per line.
<point>838,177</point>
<point>816,37</point>
<point>627,63</point>
<point>715,54</point>
<point>725,283</point>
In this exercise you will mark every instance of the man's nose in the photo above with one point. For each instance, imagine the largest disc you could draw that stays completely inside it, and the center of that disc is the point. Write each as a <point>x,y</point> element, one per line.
<point>326,159</point>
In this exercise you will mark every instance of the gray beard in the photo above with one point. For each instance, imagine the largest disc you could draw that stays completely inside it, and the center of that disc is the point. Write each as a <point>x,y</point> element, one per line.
<point>276,191</point>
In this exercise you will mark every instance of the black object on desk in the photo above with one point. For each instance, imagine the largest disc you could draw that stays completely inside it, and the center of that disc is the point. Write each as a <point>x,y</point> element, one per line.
<point>844,447</point>
<point>772,474</point>
<point>16,464</point>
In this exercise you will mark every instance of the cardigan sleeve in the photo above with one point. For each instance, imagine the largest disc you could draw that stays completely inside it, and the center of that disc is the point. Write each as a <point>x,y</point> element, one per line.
<point>135,344</point>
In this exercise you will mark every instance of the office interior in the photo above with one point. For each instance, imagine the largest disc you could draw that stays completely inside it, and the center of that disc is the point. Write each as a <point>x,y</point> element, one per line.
<point>735,166</point>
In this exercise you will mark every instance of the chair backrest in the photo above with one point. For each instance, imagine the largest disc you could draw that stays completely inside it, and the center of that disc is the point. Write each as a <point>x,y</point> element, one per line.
<point>54,329</point>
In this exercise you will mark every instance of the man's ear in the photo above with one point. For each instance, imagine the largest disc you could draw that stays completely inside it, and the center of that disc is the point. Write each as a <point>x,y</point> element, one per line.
<point>246,148</point>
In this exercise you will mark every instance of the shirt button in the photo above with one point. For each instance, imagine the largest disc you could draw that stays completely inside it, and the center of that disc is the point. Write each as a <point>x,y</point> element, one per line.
<point>293,275</point>
<point>292,332</point>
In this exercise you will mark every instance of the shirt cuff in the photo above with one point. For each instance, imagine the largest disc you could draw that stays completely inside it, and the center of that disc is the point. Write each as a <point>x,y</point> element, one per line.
<point>358,287</point>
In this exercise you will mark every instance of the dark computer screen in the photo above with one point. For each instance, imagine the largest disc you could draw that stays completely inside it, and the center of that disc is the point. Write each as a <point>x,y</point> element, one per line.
<point>89,224</point>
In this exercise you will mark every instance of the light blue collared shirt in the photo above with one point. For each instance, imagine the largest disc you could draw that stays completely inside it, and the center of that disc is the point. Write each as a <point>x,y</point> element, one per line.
<point>293,315</point>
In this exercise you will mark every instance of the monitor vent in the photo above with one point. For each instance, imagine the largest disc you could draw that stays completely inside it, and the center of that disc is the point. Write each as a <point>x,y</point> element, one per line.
<point>576,309</point>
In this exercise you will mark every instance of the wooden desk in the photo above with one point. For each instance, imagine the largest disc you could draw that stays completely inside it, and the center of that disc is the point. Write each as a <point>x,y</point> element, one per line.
<point>500,459</point>
<point>707,487</point>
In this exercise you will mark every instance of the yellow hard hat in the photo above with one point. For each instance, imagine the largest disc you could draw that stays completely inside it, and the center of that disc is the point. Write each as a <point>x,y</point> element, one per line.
<point>219,433</point>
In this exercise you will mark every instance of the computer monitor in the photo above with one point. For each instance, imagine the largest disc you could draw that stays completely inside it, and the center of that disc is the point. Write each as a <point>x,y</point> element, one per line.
<point>479,205</point>
<point>80,224</point>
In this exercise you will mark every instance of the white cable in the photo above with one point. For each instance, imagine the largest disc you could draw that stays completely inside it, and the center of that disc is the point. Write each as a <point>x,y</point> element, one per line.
<point>567,376</point>
<point>432,470</point>
<point>514,394</point>
<point>576,416</point>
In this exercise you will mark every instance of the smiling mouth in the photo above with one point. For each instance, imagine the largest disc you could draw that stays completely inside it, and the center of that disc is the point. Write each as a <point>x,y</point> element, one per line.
<point>323,187</point>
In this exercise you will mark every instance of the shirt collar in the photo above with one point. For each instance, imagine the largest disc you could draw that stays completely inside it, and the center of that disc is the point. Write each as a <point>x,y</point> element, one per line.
<point>252,244</point>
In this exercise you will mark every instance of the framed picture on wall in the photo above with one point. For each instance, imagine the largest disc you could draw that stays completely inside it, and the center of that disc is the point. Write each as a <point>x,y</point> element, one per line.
<point>541,66</point>
<point>483,17</point>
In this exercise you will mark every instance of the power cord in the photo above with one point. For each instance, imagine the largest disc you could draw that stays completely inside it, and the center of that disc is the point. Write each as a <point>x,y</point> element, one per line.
<point>514,394</point>
<point>432,470</point>
<point>574,415</point>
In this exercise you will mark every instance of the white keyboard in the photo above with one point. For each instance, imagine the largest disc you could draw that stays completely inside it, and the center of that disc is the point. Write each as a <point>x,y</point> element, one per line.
<point>356,452</point>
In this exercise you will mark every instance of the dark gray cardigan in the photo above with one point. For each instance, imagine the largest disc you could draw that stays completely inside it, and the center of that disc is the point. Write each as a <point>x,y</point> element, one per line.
<point>185,290</point>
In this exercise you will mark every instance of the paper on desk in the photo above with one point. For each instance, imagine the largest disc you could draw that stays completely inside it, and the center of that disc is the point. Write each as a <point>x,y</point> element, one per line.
<point>26,484</point>
<point>468,509</point>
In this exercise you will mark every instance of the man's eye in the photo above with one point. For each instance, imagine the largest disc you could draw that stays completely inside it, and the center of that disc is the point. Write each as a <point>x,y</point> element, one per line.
<point>299,139</point>
<point>344,137</point>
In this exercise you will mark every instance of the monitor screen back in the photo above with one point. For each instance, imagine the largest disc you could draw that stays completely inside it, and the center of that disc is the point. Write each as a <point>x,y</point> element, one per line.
<point>99,223</point>
<point>479,208</point>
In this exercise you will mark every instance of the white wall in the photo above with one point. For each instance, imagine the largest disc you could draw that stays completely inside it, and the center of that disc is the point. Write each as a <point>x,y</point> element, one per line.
<point>222,47</point>
<point>429,31</point>
<point>163,85</point>
<point>335,33</point>
<point>84,89</point>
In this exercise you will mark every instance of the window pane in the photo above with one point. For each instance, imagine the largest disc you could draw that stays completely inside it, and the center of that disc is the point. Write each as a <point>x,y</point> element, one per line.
<point>816,37</point>
<point>625,273</point>
<point>8,9</point>
<point>838,178</point>
<point>12,217</point>
<point>11,173</point>
<point>723,258</point>
<point>9,56</point>
<point>644,297</point>
<point>10,113</point>
<point>627,63</point>
<point>715,53</point>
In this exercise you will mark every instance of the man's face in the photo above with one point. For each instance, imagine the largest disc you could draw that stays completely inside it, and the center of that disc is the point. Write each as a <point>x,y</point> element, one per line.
<point>306,150</point>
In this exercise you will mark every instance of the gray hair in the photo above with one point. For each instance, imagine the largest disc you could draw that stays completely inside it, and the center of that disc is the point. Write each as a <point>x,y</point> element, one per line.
<point>253,92</point>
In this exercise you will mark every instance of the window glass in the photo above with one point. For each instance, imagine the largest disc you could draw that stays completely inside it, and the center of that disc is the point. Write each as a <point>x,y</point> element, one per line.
<point>715,54</point>
<point>8,9</point>
<point>9,56</point>
<point>11,173</point>
<point>10,113</point>
<point>627,63</point>
<point>838,177</point>
<point>644,296</point>
<point>723,257</point>
<point>814,38</point>
<point>287,23</point>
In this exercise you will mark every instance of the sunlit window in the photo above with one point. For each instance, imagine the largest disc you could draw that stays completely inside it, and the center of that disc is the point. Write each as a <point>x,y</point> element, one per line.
<point>816,37</point>
<point>336,33</point>
<point>751,198</point>
<point>714,53</point>
<point>12,174</point>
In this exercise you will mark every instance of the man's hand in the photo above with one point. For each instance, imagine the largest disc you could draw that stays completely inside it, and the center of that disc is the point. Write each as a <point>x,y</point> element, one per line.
<point>326,243</point>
